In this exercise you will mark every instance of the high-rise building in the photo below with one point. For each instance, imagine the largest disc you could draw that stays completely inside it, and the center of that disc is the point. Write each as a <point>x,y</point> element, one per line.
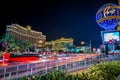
<point>22,33</point>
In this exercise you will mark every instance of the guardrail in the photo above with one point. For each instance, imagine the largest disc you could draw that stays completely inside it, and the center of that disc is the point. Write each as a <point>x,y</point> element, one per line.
<point>16,72</point>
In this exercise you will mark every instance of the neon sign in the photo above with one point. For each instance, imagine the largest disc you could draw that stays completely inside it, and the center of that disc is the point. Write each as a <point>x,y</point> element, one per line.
<point>108,11</point>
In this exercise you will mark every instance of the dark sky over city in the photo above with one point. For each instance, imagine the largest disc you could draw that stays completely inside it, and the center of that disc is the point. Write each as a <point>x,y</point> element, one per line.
<point>56,18</point>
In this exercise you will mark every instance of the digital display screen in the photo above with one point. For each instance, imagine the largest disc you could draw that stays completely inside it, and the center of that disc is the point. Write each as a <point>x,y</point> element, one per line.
<point>111,36</point>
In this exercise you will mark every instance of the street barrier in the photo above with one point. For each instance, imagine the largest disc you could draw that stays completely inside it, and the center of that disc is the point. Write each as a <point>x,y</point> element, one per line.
<point>18,71</point>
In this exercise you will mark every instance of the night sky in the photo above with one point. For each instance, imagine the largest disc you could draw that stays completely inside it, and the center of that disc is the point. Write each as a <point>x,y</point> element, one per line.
<point>56,18</point>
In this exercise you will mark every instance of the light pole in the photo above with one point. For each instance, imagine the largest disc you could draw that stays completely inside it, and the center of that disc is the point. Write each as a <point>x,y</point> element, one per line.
<point>88,44</point>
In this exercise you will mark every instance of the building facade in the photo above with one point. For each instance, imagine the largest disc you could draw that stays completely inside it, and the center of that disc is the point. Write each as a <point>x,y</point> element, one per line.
<point>60,44</point>
<point>22,33</point>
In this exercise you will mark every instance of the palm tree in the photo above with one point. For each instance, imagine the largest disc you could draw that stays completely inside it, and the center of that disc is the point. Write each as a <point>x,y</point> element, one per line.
<point>70,47</point>
<point>67,46</point>
<point>7,41</point>
<point>26,45</point>
<point>10,43</point>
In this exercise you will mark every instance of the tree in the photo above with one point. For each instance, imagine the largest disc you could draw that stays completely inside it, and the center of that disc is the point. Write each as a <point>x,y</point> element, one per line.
<point>67,46</point>
<point>26,45</point>
<point>7,41</point>
<point>10,43</point>
<point>70,47</point>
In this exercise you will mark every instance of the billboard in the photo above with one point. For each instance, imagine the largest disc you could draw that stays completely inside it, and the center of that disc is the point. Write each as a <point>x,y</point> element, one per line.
<point>108,36</point>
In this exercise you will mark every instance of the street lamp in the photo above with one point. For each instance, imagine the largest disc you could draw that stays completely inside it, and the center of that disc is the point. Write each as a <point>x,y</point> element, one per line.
<point>82,43</point>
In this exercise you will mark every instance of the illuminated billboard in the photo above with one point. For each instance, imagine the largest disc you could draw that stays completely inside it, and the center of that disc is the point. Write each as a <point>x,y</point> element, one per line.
<point>110,35</point>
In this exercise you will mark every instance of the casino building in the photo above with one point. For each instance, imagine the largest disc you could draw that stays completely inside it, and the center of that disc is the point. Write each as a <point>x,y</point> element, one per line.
<point>59,44</point>
<point>22,33</point>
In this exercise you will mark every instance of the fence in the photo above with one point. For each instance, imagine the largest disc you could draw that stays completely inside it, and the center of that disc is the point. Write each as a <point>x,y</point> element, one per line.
<point>15,72</point>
